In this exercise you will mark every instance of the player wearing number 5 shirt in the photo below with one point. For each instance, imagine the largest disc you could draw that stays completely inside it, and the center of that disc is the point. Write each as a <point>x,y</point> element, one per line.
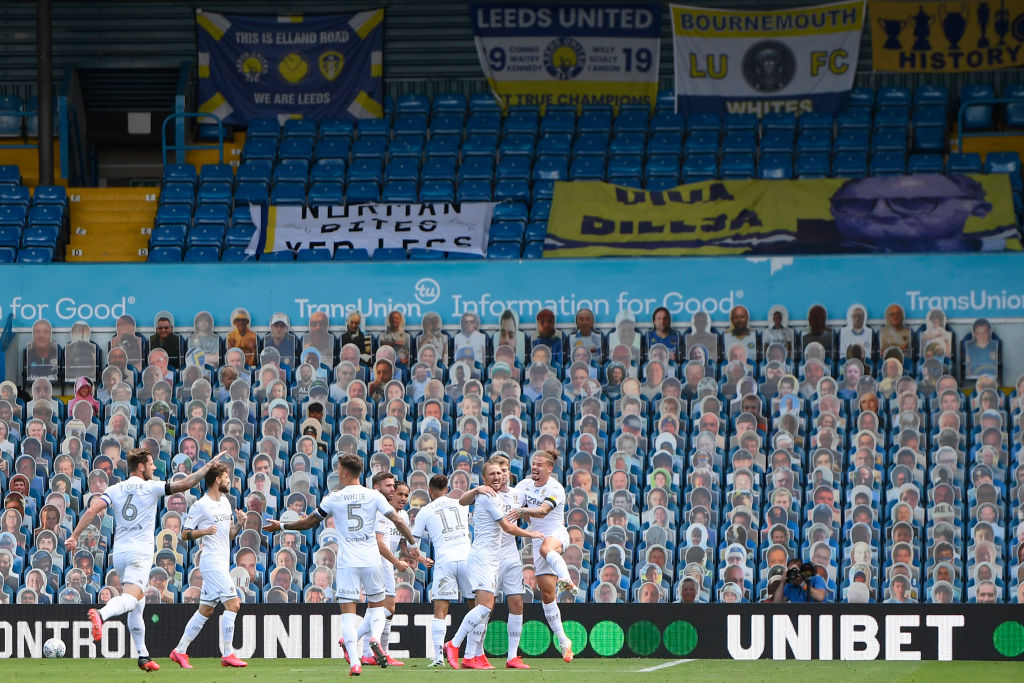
<point>133,503</point>
<point>355,509</point>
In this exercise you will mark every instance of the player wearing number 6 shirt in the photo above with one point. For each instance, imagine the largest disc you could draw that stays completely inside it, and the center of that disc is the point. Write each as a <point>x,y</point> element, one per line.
<point>544,501</point>
<point>489,521</point>
<point>445,524</point>
<point>355,508</point>
<point>133,503</point>
<point>210,519</point>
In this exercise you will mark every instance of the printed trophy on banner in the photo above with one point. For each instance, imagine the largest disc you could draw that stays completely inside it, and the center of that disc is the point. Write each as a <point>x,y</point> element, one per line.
<point>892,29</point>
<point>922,29</point>
<point>954,25</point>
<point>1002,22</point>
<point>983,15</point>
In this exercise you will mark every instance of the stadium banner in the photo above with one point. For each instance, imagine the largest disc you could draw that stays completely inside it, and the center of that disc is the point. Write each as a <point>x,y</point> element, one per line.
<point>569,54</point>
<point>965,286</point>
<point>290,66</point>
<point>719,631</point>
<point>935,36</point>
<point>814,215</point>
<point>748,62</point>
<point>459,228</point>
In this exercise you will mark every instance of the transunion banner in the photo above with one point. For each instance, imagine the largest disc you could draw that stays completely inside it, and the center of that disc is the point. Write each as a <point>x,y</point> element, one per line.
<point>918,213</point>
<point>291,66</point>
<point>944,37</point>
<point>442,227</point>
<point>748,62</point>
<point>571,54</point>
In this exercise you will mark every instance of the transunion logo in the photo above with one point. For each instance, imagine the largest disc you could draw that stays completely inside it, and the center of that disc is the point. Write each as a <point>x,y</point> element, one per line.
<point>427,291</point>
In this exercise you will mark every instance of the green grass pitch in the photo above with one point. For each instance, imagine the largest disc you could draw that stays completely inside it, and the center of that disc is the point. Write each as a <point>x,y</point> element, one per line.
<point>554,670</point>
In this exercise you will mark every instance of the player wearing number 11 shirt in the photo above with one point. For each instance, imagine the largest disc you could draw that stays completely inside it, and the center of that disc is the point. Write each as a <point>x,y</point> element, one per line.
<point>355,509</point>
<point>133,503</point>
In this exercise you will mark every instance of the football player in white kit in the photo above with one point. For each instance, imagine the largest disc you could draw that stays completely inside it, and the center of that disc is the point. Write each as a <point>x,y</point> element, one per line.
<point>489,520</point>
<point>354,508</point>
<point>210,519</point>
<point>510,566</point>
<point>544,501</point>
<point>445,523</point>
<point>133,503</point>
<point>388,541</point>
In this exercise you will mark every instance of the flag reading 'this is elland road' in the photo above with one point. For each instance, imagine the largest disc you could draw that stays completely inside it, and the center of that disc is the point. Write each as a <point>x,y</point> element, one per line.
<point>571,54</point>
<point>749,62</point>
<point>290,66</point>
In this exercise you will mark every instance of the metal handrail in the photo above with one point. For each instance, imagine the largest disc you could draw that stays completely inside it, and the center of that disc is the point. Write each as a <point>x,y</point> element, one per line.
<point>180,146</point>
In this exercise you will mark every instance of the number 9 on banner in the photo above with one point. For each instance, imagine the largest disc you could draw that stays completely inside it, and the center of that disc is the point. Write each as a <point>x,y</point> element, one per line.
<point>496,58</point>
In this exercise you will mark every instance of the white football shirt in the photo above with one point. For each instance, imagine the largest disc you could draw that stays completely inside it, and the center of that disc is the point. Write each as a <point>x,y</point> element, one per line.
<point>511,500</point>
<point>355,509</point>
<point>445,524</point>
<point>207,512</point>
<point>134,502</point>
<point>534,496</point>
<point>486,531</point>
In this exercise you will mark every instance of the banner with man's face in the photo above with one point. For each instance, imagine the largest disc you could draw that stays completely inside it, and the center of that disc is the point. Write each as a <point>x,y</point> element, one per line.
<point>917,213</point>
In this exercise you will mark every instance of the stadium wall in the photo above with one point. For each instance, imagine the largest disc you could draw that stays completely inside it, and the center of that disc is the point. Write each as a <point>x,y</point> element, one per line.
<point>822,632</point>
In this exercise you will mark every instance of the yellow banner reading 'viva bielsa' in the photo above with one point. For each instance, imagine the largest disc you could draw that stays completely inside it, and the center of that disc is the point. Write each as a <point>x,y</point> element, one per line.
<point>945,37</point>
<point>918,213</point>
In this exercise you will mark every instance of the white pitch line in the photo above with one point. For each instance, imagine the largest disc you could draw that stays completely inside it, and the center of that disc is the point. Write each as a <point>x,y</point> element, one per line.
<point>664,666</point>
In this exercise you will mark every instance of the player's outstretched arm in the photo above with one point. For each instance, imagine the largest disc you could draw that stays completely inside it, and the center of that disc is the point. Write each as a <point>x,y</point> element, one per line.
<point>469,496</point>
<point>403,528</point>
<point>386,553</point>
<point>307,522</point>
<point>95,508</point>
<point>510,528</point>
<point>191,480</point>
<point>236,528</point>
<point>541,511</point>
<point>196,534</point>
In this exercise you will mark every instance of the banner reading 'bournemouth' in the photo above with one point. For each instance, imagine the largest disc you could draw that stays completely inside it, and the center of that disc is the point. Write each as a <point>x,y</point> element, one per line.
<point>571,54</point>
<point>919,213</point>
<point>747,62</point>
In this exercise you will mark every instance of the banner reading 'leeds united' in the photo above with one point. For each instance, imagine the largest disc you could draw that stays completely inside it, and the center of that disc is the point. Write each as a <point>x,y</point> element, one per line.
<point>569,54</point>
<point>931,36</point>
<point>290,66</point>
<point>919,213</point>
<point>442,227</point>
<point>745,62</point>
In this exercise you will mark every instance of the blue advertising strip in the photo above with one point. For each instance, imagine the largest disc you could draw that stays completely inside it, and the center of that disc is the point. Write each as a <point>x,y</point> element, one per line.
<point>964,285</point>
<point>290,66</point>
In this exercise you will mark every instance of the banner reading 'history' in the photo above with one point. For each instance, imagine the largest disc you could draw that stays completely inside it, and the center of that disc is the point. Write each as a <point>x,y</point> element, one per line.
<point>937,37</point>
<point>569,54</point>
<point>747,62</point>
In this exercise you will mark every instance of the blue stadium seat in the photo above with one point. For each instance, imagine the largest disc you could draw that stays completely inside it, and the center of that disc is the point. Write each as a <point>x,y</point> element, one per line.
<point>587,168</point>
<point>213,173</point>
<point>372,147</point>
<point>251,193</point>
<point>10,236</point>
<point>437,191</point>
<point>666,101</point>
<point>483,102</point>
<point>412,103</point>
<point>288,194</point>
<point>299,128</point>
<point>474,191</point>
<point>366,169</point>
<point>931,94</point>
<point>447,124</point>
<point>626,166</point>
<point>850,164</point>
<point>202,254</point>
<point>853,140</point>
<point>739,141</point>
<point>168,213</point>
<point>558,122</point>
<point>815,120</point>
<point>476,168</point>
<point>344,254</point>
<point>402,168</point>
<point>929,139</point>
<point>485,122</point>
<point>373,128</point>
<point>533,250</point>
<point>888,163</point>
<point>295,149</point>
<point>40,236</point>
<point>8,254</point>
<point>593,144</point>
<point>1014,109</point>
<point>449,103</point>
<point>813,165</point>
<point>702,142</point>
<point>540,210</point>
<point>205,236</point>
<point>889,140</point>
<point>667,122</point>
<point>406,147</point>
<point>779,121</point>
<point>421,254</point>
<point>180,173</point>
<point>443,146</point>
<point>399,191</point>
<point>704,122</point>
<point>925,163</point>
<point>255,171</point>
<point>239,235</point>
<point>390,254</point>
<point>11,121</point>
<point>518,144</point>
<point>277,256</point>
<point>814,140</point>
<point>698,167</point>
<point>628,143</point>
<point>504,251</point>
<point>333,148</point>
<point>337,128</point>
<point>862,96</point>
<point>853,118</point>
<point>410,124</point>
<point>10,174</point>
<point>214,192</point>
<point>170,193</point>
<point>326,193</point>
<point>738,165</point>
<point>891,117</point>
<point>235,254</point>
<point>631,122</point>
<point>898,95</point>
<point>362,192</point>
<point>960,162</point>
<point>551,168</point>
<point>977,116</point>
<point>513,167</point>
<point>164,255</point>
<point>510,211</point>
<point>521,120</point>
<point>776,141</point>
<point>313,255</point>
<point>168,235</point>
<point>741,122</point>
<point>593,120</point>
<point>46,214</point>
<point>259,149</point>
<point>666,142</point>
<point>480,144</point>
<point>775,166</point>
<point>507,231</point>
<point>328,170</point>
<point>263,128</point>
